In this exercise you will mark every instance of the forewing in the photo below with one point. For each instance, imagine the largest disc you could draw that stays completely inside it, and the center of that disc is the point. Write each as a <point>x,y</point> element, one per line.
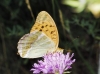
<point>45,24</point>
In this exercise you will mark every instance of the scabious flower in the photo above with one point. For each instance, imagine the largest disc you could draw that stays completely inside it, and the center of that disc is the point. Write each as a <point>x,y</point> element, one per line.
<point>55,63</point>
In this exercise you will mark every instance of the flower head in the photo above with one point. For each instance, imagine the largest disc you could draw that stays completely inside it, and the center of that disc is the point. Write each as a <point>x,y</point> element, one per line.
<point>54,63</point>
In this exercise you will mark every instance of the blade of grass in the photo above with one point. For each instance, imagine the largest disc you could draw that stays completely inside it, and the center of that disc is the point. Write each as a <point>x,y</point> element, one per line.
<point>4,49</point>
<point>29,7</point>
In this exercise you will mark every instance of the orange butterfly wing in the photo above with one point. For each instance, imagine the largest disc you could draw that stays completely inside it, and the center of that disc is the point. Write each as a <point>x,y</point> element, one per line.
<point>45,23</point>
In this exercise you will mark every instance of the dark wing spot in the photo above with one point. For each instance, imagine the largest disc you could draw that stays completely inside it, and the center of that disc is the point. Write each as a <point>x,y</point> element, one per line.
<point>40,30</point>
<point>46,25</point>
<point>42,26</point>
<point>36,28</point>
<point>46,30</point>
<point>50,25</point>
<point>52,32</point>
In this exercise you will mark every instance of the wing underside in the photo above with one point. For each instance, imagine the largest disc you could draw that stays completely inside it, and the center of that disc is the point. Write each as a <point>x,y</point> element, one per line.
<point>45,23</point>
<point>35,44</point>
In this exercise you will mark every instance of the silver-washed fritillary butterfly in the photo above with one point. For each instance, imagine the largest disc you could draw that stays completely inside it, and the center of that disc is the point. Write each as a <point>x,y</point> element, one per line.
<point>42,39</point>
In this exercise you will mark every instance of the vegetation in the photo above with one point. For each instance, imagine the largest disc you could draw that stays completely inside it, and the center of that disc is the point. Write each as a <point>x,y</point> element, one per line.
<point>78,32</point>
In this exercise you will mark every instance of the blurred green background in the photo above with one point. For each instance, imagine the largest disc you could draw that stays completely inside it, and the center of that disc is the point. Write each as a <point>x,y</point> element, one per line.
<point>78,26</point>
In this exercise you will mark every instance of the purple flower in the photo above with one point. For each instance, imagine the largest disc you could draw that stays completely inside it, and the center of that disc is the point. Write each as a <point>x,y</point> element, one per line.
<point>54,63</point>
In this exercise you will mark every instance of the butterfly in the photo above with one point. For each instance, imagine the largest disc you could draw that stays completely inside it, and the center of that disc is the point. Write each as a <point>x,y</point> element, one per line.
<point>42,39</point>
